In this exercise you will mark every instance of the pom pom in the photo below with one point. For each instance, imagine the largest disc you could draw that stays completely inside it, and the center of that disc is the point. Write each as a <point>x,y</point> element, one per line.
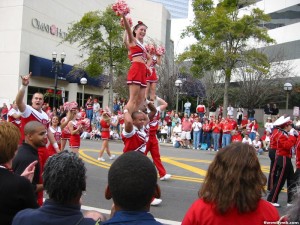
<point>160,50</point>
<point>85,123</point>
<point>121,8</point>
<point>128,19</point>
<point>150,49</point>
<point>70,105</point>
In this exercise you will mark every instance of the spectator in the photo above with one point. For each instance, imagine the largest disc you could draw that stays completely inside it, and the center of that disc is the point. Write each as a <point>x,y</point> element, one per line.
<point>64,189</point>
<point>212,111</point>
<point>251,113</point>
<point>253,129</point>
<point>96,112</point>
<point>266,140</point>
<point>14,115</point>
<point>177,129</point>
<point>247,140</point>
<point>267,112</point>
<point>35,134</point>
<point>230,110</point>
<point>187,107</point>
<point>216,130</point>
<point>177,141</point>
<point>4,112</point>
<point>89,108</point>
<point>16,192</point>
<point>232,190</point>
<point>269,124</point>
<point>275,111</point>
<point>132,183</point>
<point>201,110</point>
<point>239,115</point>
<point>257,145</point>
<point>196,133</point>
<point>236,136</point>
<point>186,131</point>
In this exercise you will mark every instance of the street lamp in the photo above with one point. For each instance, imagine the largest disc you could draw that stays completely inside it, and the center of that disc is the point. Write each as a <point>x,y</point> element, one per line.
<point>178,84</point>
<point>56,68</point>
<point>83,81</point>
<point>287,87</point>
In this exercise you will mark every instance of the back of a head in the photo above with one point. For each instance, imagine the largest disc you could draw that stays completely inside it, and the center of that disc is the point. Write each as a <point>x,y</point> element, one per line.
<point>234,178</point>
<point>64,177</point>
<point>9,139</point>
<point>132,180</point>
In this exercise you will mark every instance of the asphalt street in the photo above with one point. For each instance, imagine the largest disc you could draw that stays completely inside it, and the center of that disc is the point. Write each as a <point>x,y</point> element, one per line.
<point>188,168</point>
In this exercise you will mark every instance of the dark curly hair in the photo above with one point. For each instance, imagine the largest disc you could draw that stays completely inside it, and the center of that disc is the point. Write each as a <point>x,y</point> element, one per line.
<point>132,180</point>
<point>64,177</point>
<point>234,179</point>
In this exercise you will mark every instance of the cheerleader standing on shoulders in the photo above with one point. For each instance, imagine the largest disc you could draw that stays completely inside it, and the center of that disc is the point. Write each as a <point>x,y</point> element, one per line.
<point>105,123</point>
<point>136,78</point>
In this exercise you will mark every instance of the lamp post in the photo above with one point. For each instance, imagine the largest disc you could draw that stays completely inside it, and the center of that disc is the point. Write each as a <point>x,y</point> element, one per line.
<point>83,81</point>
<point>287,87</point>
<point>56,68</point>
<point>178,84</point>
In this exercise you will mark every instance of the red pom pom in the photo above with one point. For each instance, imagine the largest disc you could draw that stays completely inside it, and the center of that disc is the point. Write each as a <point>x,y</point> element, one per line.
<point>121,8</point>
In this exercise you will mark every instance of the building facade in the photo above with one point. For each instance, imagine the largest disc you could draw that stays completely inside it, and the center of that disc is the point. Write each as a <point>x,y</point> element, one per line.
<point>31,30</point>
<point>178,8</point>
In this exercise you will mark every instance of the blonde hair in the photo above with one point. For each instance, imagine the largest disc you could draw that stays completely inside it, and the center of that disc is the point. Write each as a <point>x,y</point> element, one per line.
<point>9,139</point>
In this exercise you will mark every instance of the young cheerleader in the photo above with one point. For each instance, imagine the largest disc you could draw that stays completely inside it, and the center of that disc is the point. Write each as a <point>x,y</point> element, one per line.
<point>75,128</point>
<point>105,134</point>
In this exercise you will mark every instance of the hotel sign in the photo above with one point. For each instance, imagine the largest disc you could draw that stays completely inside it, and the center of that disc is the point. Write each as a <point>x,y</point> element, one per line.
<point>50,29</point>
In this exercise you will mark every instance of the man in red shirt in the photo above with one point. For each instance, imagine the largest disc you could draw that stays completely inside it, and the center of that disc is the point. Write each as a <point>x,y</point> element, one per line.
<point>186,127</point>
<point>201,110</point>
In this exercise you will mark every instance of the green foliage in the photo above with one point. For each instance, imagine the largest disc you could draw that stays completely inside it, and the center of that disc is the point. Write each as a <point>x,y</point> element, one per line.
<point>99,35</point>
<point>224,39</point>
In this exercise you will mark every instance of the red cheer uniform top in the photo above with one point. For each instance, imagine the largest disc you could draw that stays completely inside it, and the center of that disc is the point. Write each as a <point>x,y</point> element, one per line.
<point>136,140</point>
<point>104,129</point>
<point>57,135</point>
<point>16,122</point>
<point>66,131</point>
<point>285,144</point>
<point>31,114</point>
<point>138,50</point>
<point>153,124</point>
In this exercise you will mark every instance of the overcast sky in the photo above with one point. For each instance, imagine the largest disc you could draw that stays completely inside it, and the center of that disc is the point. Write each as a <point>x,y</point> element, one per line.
<point>177,27</point>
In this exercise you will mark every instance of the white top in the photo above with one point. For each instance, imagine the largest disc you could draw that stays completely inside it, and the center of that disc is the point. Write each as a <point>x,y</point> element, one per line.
<point>256,144</point>
<point>247,141</point>
<point>177,129</point>
<point>230,110</point>
<point>187,105</point>
<point>197,126</point>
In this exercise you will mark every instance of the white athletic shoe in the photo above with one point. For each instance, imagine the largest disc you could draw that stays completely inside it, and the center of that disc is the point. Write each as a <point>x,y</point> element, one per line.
<point>166,177</point>
<point>156,201</point>
<point>289,205</point>
<point>101,159</point>
<point>275,204</point>
<point>112,157</point>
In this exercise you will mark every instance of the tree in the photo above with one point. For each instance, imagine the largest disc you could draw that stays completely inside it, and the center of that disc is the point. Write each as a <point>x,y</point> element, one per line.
<point>99,35</point>
<point>223,40</point>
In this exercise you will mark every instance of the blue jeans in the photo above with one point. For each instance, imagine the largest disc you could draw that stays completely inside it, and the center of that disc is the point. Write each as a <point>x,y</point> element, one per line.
<point>196,139</point>
<point>252,135</point>
<point>226,139</point>
<point>206,138</point>
<point>89,114</point>
<point>187,111</point>
<point>216,137</point>
<point>201,115</point>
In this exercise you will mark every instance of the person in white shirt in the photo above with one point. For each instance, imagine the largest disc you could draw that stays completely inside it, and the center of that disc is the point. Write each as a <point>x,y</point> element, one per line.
<point>177,129</point>
<point>196,133</point>
<point>247,140</point>
<point>269,124</point>
<point>256,143</point>
<point>187,107</point>
<point>230,110</point>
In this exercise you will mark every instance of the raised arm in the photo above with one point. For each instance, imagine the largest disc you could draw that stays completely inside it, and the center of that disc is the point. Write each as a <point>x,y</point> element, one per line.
<point>20,96</point>
<point>131,39</point>
<point>152,109</point>
<point>125,40</point>
<point>162,103</point>
<point>128,121</point>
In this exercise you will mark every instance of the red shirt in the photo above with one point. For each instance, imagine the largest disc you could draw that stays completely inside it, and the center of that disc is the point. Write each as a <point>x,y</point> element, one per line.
<point>202,213</point>
<point>216,127</point>
<point>274,139</point>
<point>186,125</point>
<point>236,138</point>
<point>135,140</point>
<point>285,144</point>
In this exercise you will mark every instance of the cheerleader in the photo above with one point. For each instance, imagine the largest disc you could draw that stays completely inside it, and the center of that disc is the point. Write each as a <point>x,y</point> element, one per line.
<point>75,128</point>
<point>136,78</point>
<point>105,123</point>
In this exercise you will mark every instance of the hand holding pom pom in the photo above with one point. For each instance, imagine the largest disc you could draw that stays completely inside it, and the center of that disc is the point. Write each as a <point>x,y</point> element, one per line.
<point>160,50</point>
<point>121,8</point>
<point>150,49</point>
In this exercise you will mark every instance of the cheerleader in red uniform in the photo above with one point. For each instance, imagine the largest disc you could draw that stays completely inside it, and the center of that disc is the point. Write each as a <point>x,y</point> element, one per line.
<point>75,128</point>
<point>136,78</point>
<point>56,128</point>
<point>105,123</point>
